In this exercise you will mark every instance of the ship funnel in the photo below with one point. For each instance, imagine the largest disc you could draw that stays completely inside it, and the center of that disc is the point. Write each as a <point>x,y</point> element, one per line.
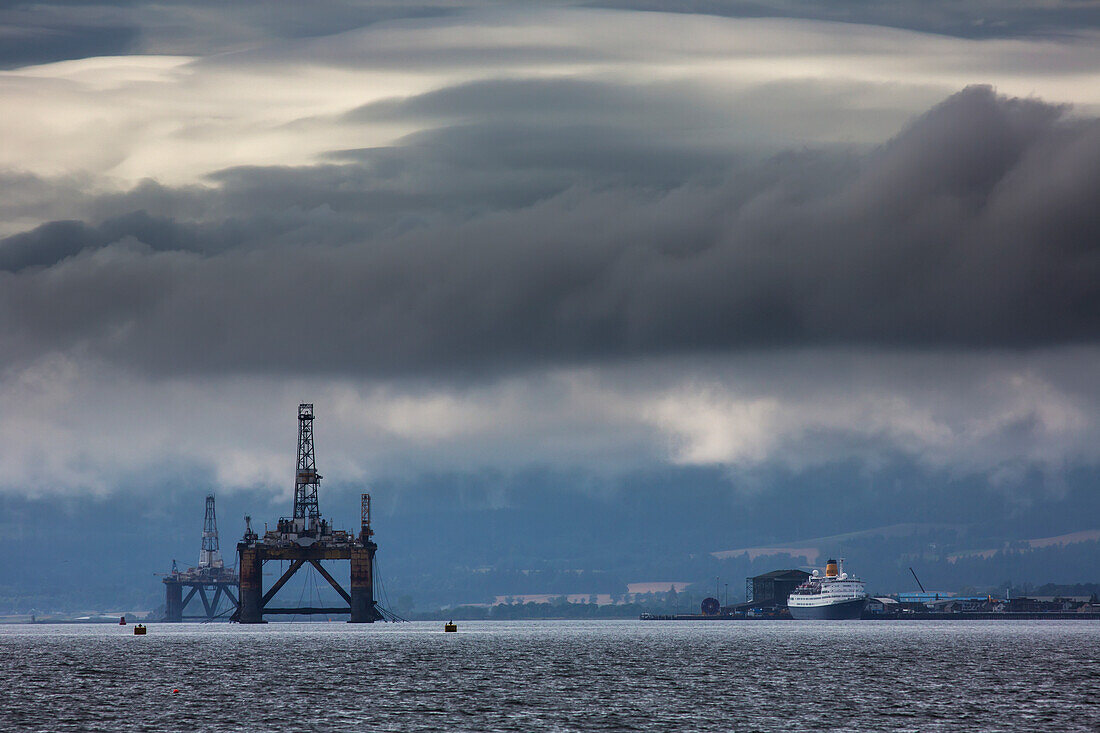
<point>831,569</point>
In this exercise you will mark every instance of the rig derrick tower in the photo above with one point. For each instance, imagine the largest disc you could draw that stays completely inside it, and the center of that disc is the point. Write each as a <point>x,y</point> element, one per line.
<point>307,515</point>
<point>305,537</point>
<point>210,556</point>
<point>210,576</point>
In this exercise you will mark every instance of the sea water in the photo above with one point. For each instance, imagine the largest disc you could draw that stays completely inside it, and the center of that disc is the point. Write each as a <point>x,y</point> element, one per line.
<point>554,675</point>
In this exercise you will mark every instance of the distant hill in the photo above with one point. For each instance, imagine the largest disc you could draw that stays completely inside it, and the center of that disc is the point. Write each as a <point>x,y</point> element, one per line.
<point>449,540</point>
<point>1088,535</point>
<point>810,550</point>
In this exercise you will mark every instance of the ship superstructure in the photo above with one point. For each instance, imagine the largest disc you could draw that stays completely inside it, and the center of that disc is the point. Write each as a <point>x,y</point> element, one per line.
<point>837,595</point>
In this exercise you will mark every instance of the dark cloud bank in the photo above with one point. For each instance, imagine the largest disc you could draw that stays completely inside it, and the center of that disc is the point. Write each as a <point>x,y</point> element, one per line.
<point>508,245</point>
<point>963,18</point>
<point>38,33</point>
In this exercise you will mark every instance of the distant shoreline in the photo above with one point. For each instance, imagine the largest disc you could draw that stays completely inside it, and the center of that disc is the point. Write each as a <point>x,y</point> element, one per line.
<point>1005,616</point>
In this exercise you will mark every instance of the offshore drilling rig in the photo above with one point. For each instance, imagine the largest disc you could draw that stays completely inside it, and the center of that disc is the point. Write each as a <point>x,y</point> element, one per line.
<point>305,537</point>
<point>210,575</point>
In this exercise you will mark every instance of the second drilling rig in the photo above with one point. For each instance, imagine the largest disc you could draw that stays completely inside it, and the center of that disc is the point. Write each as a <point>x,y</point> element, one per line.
<point>305,537</point>
<point>211,575</point>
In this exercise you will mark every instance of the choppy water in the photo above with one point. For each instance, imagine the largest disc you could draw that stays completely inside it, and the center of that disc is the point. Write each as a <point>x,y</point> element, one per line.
<point>554,675</point>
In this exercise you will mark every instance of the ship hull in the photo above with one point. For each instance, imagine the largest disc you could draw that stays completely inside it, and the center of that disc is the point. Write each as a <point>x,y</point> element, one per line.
<point>831,612</point>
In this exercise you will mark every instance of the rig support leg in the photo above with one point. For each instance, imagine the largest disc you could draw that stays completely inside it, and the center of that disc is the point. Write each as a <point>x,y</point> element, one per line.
<point>252,585</point>
<point>362,584</point>
<point>173,603</point>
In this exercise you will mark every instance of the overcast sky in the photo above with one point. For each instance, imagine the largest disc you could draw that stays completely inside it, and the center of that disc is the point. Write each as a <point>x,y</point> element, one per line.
<point>602,237</point>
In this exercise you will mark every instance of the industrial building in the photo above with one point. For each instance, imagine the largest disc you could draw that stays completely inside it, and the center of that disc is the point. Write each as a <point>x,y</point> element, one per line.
<point>766,598</point>
<point>769,590</point>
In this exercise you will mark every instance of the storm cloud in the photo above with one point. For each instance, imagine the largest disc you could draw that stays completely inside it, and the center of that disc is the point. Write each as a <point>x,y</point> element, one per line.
<point>490,236</point>
<point>481,248</point>
<point>969,18</point>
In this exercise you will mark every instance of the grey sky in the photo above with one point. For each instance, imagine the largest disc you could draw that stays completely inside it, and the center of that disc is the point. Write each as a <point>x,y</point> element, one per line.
<point>511,245</point>
<point>504,236</point>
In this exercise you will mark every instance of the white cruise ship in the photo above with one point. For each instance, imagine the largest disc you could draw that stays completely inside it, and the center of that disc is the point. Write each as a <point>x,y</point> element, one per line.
<point>836,596</point>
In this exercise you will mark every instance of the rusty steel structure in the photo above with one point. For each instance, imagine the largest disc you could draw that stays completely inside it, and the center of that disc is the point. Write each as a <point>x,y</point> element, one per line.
<point>210,580</point>
<point>306,478</point>
<point>306,538</point>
